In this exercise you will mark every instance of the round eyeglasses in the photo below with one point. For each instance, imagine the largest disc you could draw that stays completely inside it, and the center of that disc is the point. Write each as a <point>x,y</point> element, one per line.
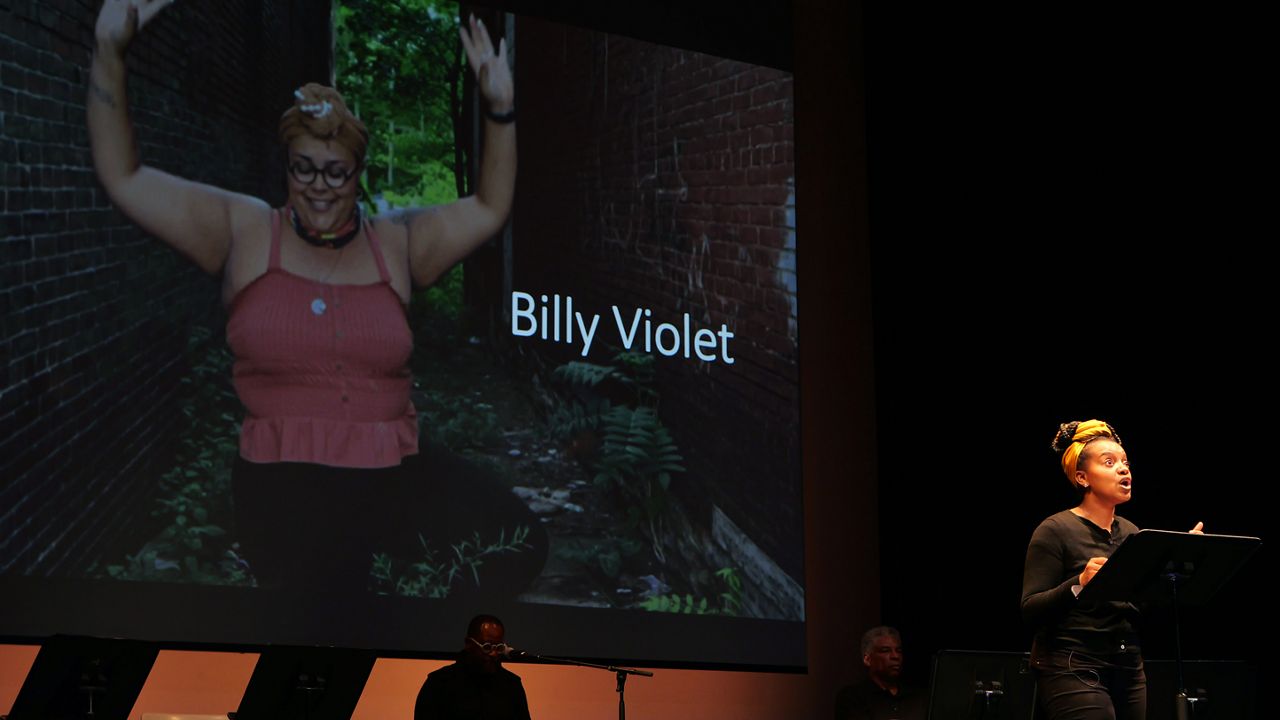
<point>334,175</point>
<point>490,648</point>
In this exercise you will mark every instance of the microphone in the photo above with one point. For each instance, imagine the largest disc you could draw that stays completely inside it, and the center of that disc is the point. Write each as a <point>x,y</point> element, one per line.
<point>513,654</point>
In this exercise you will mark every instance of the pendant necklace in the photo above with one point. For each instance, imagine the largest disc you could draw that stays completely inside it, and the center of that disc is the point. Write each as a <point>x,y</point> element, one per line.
<point>336,240</point>
<point>318,306</point>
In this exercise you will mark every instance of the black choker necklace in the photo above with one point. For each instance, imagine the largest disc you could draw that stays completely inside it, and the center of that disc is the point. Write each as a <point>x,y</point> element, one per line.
<point>335,239</point>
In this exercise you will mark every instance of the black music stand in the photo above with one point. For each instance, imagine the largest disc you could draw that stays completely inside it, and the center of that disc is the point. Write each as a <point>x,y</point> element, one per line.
<point>1182,569</point>
<point>306,683</point>
<point>77,677</point>
<point>981,686</point>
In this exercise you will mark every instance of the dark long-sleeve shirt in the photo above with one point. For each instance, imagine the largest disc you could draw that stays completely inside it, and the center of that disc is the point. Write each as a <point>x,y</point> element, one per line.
<point>1059,551</point>
<point>463,692</point>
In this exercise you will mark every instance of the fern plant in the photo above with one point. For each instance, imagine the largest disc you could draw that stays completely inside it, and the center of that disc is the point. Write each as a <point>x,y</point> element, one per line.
<point>633,372</point>
<point>584,373</point>
<point>636,455</point>
<point>570,419</point>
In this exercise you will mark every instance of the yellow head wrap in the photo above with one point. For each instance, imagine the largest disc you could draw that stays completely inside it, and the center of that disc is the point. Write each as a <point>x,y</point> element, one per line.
<point>1085,432</point>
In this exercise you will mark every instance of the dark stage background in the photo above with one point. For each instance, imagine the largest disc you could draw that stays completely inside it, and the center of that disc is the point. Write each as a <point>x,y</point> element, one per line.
<point>1064,224</point>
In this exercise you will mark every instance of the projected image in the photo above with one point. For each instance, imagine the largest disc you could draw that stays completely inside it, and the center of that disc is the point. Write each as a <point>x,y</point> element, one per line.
<point>654,285</point>
<point>574,387</point>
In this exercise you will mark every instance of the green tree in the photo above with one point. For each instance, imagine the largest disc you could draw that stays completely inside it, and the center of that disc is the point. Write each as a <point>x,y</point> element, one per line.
<point>399,65</point>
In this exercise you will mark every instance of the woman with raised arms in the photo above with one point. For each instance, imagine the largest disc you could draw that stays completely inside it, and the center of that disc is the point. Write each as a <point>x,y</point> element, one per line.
<point>316,295</point>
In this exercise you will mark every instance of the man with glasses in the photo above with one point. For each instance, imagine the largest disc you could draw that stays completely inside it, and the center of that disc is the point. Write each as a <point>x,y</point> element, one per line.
<point>476,687</point>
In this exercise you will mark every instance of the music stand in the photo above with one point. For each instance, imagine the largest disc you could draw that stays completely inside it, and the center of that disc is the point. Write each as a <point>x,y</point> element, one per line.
<point>305,683</point>
<point>969,685</point>
<point>78,677</point>
<point>1156,566</point>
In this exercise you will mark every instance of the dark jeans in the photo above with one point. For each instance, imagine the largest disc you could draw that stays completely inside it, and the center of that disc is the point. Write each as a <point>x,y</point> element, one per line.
<point>307,529</point>
<point>1074,686</point>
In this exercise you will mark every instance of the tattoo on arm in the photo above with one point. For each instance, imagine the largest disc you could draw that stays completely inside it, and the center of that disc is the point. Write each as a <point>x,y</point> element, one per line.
<point>98,93</point>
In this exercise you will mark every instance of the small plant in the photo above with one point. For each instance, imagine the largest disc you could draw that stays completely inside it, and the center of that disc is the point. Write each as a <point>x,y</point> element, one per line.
<point>434,314</point>
<point>433,576</point>
<point>635,454</point>
<point>568,420</point>
<point>605,555</point>
<point>638,457</point>
<point>193,497</point>
<point>585,373</point>
<point>461,424</point>
<point>730,600</point>
<point>633,372</point>
<point>675,603</point>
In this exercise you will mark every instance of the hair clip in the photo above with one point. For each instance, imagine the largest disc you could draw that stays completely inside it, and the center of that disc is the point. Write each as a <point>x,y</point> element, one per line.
<point>315,110</point>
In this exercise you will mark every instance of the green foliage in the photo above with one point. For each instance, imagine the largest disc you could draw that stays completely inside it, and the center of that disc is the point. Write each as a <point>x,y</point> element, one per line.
<point>675,603</point>
<point>444,297</point>
<point>637,456</point>
<point>430,183</point>
<point>461,423</point>
<point>434,314</point>
<point>585,373</point>
<point>592,387</point>
<point>605,555</point>
<point>569,419</point>
<point>637,369</point>
<point>399,65</point>
<point>636,447</point>
<point>633,372</point>
<point>730,600</point>
<point>193,497</point>
<point>434,574</point>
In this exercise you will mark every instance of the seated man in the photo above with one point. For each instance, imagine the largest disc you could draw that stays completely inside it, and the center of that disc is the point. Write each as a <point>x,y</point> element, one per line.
<point>882,696</point>
<point>476,687</point>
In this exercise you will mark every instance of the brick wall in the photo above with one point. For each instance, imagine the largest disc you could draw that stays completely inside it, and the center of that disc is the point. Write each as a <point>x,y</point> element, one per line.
<point>659,178</point>
<point>94,315</point>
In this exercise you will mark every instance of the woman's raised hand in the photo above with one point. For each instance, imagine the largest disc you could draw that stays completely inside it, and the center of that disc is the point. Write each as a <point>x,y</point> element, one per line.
<point>120,20</point>
<point>493,75</point>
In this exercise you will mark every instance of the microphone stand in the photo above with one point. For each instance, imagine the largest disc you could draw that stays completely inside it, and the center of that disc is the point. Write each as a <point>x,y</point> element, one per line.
<point>621,672</point>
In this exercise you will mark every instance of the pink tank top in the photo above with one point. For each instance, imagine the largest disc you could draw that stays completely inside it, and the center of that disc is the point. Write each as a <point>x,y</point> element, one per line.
<point>323,370</point>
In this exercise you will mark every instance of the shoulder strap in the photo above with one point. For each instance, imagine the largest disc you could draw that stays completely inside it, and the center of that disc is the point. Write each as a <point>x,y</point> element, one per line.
<point>274,262</point>
<point>376,247</point>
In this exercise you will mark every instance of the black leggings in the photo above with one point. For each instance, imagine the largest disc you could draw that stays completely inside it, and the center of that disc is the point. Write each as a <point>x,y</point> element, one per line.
<point>1073,686</point>
<point>307,528</point>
